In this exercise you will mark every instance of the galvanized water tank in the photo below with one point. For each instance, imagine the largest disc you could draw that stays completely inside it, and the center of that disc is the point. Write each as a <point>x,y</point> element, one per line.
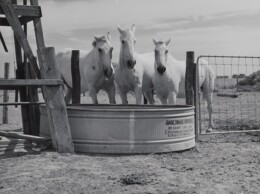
<point>128,129</point>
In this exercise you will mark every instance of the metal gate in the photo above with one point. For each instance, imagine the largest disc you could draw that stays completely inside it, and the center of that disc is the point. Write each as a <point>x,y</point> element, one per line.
<point>236,96</point>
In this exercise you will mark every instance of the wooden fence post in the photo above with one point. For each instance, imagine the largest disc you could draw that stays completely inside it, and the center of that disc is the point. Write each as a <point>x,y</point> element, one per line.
<point>189,78</point>
<point>76,85</point>
<point>5,95</point>
<point>191,86</point>
<point>55,104</point>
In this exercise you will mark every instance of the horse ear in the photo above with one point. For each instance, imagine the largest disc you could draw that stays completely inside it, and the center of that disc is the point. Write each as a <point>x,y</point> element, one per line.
<point>133,28</point>
<point>96,37</point>
<point>154,41</point>
<point>109,36</point>
<point>94,43</point>
<point>120,29</point>
<point>167,42</point>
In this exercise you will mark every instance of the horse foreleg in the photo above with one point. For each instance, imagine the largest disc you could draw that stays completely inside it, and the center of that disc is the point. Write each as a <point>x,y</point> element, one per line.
<point>93,95</point>
<point>162,99</point>
<point>123,96</point>
<point>138,95</point>
<point>111,92</point>
<point>210,111</point>
<point>68,94</point>
<point>149,97</point>
<point>172,98</point>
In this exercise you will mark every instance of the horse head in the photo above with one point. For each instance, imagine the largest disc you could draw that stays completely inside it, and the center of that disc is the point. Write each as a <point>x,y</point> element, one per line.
<point>161,55</point>
<point>127,38</point>
<point>104,49</point>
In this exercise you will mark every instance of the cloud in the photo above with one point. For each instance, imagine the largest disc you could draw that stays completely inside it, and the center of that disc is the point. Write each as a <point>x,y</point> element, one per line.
<point>241,20</point>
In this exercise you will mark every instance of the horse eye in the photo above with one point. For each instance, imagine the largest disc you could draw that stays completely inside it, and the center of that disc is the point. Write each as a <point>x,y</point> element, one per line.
<point>123,42</point>
<point>100,50</point>
<point>166,51</point>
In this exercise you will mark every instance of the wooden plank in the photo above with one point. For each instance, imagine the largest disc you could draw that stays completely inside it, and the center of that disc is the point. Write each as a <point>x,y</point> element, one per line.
<point>30,82</point>
<point>5,95</point>
<point>21,103</point>
<point>14,22</point>
<point>11,141</point>
<point>23,20</point>
<point>24,10</point>
<point>38,28</point>
<point>23,136</point>
<point>76,85</point>
<point>55,104</point>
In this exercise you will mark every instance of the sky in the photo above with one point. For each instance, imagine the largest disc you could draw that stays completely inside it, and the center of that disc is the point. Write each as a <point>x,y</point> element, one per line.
<point>207,27</point>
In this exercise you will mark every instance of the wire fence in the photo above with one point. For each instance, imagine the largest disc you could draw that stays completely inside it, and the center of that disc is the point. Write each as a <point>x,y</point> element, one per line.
<point>236,96</point>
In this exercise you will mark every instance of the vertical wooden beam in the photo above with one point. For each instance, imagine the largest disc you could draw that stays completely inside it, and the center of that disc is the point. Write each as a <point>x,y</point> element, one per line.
<point>20,74</point>
<point>189,78</point>
<point>5,95</point>
<point>55,104</point>
<point>191,86</point>
<point>33,110</point>
<point>76,85</point>
<point>32,95</point>
<point>14,22</point>
<point>38,28</point>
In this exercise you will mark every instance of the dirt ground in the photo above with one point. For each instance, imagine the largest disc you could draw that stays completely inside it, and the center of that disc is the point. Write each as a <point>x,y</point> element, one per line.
<point>218,164</point>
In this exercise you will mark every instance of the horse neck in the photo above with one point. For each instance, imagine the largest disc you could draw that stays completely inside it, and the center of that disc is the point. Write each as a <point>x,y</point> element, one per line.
<point>179,66</point>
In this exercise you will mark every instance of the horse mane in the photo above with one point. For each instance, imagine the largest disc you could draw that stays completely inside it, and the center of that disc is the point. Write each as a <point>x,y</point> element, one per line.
<point>100,39</point>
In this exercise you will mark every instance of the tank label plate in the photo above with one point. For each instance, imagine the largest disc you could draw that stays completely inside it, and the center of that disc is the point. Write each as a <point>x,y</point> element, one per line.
<point>179,127</point>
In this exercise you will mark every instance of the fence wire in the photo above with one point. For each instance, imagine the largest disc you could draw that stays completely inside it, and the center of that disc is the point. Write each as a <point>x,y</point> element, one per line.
<point>236,96</point>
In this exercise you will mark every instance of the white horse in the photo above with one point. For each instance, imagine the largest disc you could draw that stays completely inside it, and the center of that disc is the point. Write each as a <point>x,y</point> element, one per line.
<point>96,70</point>
<point>134,71</point>
<point>169,78</point>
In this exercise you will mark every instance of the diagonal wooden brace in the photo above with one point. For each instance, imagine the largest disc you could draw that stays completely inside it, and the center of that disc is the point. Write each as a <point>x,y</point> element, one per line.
<point>14,22</point>
<point>3,42</point>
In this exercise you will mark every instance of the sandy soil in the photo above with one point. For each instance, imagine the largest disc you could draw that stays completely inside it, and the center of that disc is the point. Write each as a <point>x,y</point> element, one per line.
<point>218,164</point>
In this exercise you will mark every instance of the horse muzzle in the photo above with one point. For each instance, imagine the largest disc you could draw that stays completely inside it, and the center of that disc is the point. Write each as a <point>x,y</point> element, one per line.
<point>161,69</point>
<point>108,72</point>
<point>131,64</point>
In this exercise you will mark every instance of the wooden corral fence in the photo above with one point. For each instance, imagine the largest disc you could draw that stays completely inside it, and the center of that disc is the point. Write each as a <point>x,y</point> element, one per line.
<point>236,98</point>
<point>5,95</point>
<point>76,84</point>
<point>30,76</point>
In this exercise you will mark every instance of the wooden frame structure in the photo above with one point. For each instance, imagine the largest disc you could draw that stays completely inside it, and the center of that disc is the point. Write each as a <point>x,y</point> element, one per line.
<point>29,76</point>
